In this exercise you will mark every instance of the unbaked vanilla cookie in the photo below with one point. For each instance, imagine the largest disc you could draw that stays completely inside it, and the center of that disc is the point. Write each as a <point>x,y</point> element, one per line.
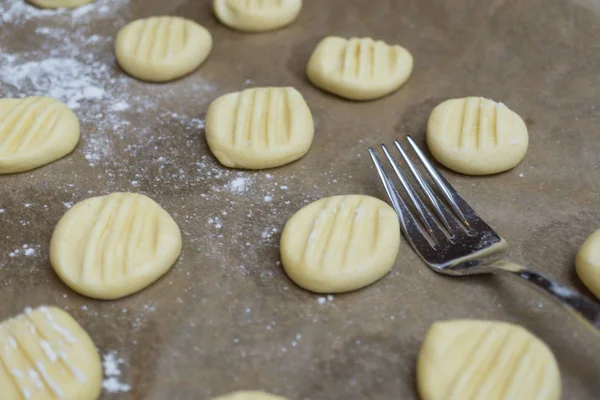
<point>251,395</point>
<point>35,131</point>
<point>256,15</point>
<point>259,128</point>
<point>467,359</point>
<point>161,49</point>
<point>59,3</point>
<point>359,68</point>
<point>476,136</point>
<point>112,246</point>
<point>45,354</point>
<point>341,243</point>
<point>587,263</point>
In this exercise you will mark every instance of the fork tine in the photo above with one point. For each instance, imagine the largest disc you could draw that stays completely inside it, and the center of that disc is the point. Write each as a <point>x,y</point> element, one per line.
<point>444,215</point>
<point>449,193</point>
<point>409,224</point>
<point>428,220</point>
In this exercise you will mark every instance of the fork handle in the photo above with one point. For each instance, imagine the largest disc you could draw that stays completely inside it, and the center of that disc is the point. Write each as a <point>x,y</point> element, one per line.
<point>585,309</point>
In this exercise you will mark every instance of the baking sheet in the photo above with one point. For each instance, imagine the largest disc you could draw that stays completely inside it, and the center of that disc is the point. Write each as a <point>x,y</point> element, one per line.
<point>226,317</point>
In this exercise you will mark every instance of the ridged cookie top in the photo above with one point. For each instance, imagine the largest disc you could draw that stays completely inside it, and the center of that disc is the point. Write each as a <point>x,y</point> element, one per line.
<point>45,354</point>
<point>35,131</point>
<point>259,128</point>
<point>162,48</point>
<point>474,135</point>
<point>111,246</point>
<point>340,243</point>
<point>256,15</point>
<point>359,68</point>
<point>466,359</point>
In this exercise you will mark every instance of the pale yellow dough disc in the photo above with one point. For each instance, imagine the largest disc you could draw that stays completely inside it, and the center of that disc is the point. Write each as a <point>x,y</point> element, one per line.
<point>251,395</point>
<point>476,136</point>
<point>35,131</point>
<point>341,243</point>
<point>112,246</point>
<point>161,49</point>
<point>59,3</point>
<point>587,263</point>
<point>256,15</point>
<point>259,128</point>
<point>468,359</point>
<point>359,68</point>
<point>45,354</point>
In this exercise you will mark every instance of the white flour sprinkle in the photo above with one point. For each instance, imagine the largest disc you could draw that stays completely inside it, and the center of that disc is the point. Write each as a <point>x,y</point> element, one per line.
<point>322,300</point>
<point>239,184</point>
<point>27,250</point>
<point>66,79</point>
<point>268,233</point>
<point>120,106</point>
<point>112,370</point>
<point>216,222</point>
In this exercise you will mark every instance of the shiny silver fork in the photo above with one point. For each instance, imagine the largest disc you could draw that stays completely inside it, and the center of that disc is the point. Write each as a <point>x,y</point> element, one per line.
<point>455,240</point>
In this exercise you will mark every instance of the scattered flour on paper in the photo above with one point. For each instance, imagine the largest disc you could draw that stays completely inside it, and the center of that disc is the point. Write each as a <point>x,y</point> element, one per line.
<point>71,64</point>
<point>112,371</point>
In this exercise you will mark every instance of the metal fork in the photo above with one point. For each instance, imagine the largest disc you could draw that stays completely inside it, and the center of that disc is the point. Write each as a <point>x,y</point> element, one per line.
<point>454,240</point>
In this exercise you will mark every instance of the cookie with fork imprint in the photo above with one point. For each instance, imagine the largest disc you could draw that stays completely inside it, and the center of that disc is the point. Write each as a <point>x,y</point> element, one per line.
<point>35,131</point>
<point>476,136</point>
<point>46,354</point>
<point>259,127</point>
<point>341,243</point>
<point>112,246</point>
<point>160,49</point>
<point>359,68</point>
<point>469,359</point>
<point>256,15</point>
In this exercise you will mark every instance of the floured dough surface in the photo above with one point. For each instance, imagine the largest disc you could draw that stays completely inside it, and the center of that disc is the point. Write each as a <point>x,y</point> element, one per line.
<point>341,243</point>
<point>587,263</point>
<point>45,354</point>
<point>468,359</point>
<point>259,128</point>
<point>359,68</point>
<point>256,15</point>
<point>160,49</point>
<point>476,136</point>
<point>112,246</point>
<point>59,3</point>
<point>250,395</point>
<point>35,131</point>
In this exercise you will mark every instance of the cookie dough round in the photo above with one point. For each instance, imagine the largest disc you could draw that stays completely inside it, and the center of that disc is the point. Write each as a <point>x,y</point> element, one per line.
<point>468,359</point>
<point>59,3</point>
<point>256,15</point>
<point>359,68</point>
<point>476,136</point>
<point>35,131</point>
<point>251,395</point>
<point>259,128</point>
<point>587,263</point>
<point>45,354</point>
<point>160,49</point>
<point>341,243</point>
<point>112,246</point>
